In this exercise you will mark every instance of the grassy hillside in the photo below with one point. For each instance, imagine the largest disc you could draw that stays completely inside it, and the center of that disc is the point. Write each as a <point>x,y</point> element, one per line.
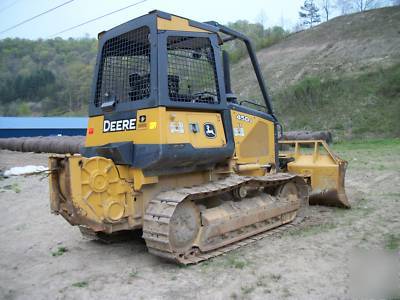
<point>363,105</point>
<point>53,77</point>
<point>343,75</point>
<point>45,77</point>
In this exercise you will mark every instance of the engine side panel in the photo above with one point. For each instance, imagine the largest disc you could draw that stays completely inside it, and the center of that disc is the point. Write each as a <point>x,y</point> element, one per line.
<point>156,126</point>
<point>161,141</point>
<point>254,139</point>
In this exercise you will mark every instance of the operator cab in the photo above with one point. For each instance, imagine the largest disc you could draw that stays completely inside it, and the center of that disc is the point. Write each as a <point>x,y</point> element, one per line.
<point>164,60</point>
<point>162,87</point>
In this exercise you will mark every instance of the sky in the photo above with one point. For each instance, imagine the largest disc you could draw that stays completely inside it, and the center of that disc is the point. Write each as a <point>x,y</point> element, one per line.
<point>12,12</point>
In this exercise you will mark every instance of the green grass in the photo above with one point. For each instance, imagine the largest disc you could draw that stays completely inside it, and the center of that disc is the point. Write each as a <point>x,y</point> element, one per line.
<point>235,262</point>
<point>12,187</point>
<point>368,144</point>
<point>370,154</point>
<point>352,106</point>
<point>261,282</point>
<point>21,227</point>
<point>60,251</point>
<point>181,266</point>
<point>276,277</point>
<point>392,242</point>
<point>247,289</point>
<point>397,195</point>
<point>80,284</point>
<point>286,293</point>
<point>230,260</point>
<point>312,229</point>
<point>133,274</point>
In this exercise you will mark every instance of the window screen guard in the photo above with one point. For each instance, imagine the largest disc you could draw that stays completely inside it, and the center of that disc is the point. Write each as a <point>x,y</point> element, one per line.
<point>191,70</point>
<point>124,70</point>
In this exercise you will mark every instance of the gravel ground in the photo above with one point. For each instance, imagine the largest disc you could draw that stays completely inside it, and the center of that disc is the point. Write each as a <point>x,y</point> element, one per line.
<point>43,257</point>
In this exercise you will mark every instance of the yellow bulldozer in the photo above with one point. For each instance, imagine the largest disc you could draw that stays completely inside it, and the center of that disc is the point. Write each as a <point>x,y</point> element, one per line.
<point>172,151</point>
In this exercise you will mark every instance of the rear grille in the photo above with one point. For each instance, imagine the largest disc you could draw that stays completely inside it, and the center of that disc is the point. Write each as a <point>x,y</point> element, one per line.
<point>124,71</point>
<point>191,70</point>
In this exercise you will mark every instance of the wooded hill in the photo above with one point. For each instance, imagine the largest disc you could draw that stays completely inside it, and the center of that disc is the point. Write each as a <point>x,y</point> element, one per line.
<point>45,77</point>
<point>53,77</point>
<point>343,75</point>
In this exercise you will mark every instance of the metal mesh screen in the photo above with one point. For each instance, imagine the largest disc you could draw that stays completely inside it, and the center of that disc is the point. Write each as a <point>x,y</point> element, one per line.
<point>191,70</point>
<point>124,71</point>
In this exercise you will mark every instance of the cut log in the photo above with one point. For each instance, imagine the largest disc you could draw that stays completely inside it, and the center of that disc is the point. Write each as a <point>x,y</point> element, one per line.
<point>307,135</point>
<point>44,144</point>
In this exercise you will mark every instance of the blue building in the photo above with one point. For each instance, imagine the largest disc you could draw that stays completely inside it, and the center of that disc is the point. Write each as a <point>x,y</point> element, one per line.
<point>42,126</point>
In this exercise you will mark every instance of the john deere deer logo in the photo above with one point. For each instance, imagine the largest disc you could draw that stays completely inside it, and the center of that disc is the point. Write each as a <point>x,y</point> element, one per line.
<point>209,130</point>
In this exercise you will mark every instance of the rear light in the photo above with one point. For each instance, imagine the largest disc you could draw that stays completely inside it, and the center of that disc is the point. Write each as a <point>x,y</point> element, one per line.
<point>90,130</point>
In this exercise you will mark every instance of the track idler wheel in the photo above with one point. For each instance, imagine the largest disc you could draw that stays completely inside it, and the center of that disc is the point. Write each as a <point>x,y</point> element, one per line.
<point>240,193</point>
<point>288,191</point>
<point>295,191</point>
<point>184,226</point>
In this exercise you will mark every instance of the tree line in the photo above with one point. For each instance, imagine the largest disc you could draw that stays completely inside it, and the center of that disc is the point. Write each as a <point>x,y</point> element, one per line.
<point>261,37</point>
<point>54,77</point>
<point>45,77</point>
<point>310,12</point>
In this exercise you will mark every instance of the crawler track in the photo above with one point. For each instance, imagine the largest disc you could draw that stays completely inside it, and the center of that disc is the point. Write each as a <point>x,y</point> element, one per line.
<point>157,231</point>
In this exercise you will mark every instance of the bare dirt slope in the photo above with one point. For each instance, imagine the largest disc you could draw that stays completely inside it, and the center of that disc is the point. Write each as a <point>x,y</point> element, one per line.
<point>355,43</point>
<point>308,262</point>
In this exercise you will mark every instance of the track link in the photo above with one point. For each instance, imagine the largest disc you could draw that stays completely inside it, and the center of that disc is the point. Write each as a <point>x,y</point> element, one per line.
<point>156,227</point>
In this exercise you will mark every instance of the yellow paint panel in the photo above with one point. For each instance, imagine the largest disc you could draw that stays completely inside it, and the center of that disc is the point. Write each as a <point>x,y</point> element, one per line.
<point>145,133</point>
<point>254,138</point>
<point>177,24</point>
<point>180,125</point>
<point>161,126</point>
<point>314,161</point>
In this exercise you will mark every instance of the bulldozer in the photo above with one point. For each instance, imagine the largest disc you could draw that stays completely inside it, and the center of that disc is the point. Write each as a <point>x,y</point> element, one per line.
<point>172,151</point>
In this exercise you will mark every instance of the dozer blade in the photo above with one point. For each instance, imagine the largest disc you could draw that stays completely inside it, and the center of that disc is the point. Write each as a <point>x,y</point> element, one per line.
<point>321,168</point>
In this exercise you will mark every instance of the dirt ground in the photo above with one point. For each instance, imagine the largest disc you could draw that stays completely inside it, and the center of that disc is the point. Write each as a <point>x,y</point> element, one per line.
<point>43,257</point>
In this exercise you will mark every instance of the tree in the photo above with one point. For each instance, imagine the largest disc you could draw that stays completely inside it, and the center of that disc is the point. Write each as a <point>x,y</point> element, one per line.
<point>350,6</point>
<point>363,5</point>
<point>261,37</point>
<point>309,12</point>
<point>262,18</point>
<point>45,77</point>
<point>326,6</point>
<point>345,6</point>
<point>299,26</point>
